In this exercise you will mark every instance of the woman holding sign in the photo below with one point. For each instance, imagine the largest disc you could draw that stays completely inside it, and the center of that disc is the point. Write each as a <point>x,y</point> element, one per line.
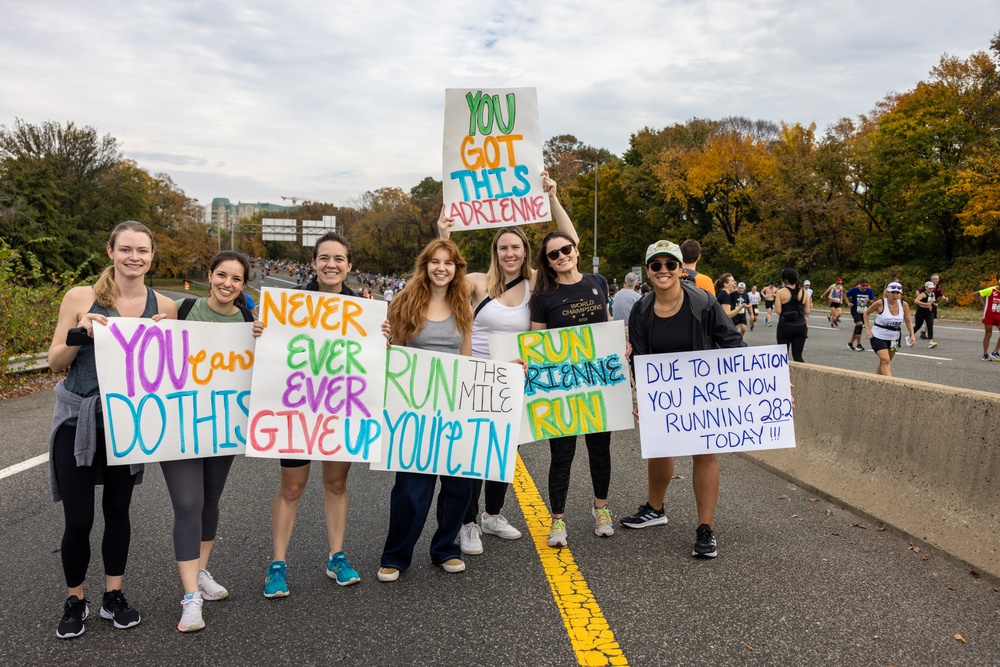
<point>332,264</point>
<point>77,454</point>
<point>196,484</point>
<point>675,317</point>
<point>500,298</point>
<point>431,313</point>
<point>563,297</point>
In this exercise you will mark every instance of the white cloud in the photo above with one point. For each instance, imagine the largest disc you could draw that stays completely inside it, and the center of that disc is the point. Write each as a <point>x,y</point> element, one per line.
<point>254,100</point>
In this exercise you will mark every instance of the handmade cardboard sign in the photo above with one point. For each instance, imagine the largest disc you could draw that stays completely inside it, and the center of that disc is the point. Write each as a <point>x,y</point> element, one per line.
<point>714,401</point>
<point>493,158</point>
<point>319,377</point>
<point>173,389</point>
<point>452,415</point>
<point>576,382</point>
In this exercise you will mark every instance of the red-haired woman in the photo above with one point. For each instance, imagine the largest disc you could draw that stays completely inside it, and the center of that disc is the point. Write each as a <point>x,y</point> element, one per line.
<point>431,313</point>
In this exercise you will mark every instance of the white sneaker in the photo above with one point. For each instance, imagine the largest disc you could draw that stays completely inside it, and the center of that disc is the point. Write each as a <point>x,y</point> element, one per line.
<point>191,619</point>
<point>211,589</point>
<point>497,525</point>
<point>602,521</point>
<point>469,540</point>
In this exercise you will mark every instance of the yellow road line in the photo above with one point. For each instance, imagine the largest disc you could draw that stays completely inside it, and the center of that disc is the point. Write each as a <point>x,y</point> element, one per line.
<point>592,639</point>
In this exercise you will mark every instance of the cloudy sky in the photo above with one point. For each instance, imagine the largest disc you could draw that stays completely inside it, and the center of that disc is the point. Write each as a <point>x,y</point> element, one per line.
<point>253,100</point>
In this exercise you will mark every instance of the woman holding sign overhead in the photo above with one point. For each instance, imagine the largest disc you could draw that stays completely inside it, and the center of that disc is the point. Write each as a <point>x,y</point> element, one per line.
<point>77,454</point>
<point>500,298</point>
<point>564,297</point>
<point>196,484</point>
<point>676,316</point>
<point>431,313</point>
<point>332,264</point>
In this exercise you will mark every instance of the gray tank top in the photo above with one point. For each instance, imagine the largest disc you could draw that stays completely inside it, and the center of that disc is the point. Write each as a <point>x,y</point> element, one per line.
<point>82,376</point>
<point>441,336</point>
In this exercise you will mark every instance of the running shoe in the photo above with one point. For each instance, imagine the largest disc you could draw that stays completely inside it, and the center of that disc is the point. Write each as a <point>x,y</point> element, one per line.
<point>116,609</point>
<point>850,346</point>
<point>338,568</point>
<point>995,356</point>
<point>468,539</point>
<point>860,348</point>
<point>923,335</point>
<point>453,565</point>
<point>932,344</point>
<point>602,521</point>
<point>645,517</point>
<point>209,588</point>
<point>388,574</point>
<point>557,534</point>
<point>276,581</point>
<point>986,357</point>
<point>768,322</point>
<point>75,612</point>
<point>705,546</point>
<point>191,619</point>
<point>498,525</point>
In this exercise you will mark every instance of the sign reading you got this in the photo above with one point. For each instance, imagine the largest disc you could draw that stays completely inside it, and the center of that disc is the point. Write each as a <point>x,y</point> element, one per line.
<point>493,158</point>
<point>576,381</point>
<point>714,401</point>
<point>173,389</point>
<point>319,377</point>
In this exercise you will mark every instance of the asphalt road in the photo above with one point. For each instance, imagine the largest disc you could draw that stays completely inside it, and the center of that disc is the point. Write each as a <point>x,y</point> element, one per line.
<point>799,580</point>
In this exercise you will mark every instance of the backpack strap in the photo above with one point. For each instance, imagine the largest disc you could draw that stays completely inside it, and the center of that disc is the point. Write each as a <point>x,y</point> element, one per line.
<point>185,308</point>
<point>247,314</point>
<point>482,304</point>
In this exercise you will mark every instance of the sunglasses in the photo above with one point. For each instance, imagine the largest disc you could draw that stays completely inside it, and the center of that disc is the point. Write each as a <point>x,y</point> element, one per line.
<point>670,264</point>
<point>566,250</point>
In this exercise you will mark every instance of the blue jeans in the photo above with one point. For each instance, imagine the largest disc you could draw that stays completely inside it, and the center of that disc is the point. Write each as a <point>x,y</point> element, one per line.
<point>409,504</point>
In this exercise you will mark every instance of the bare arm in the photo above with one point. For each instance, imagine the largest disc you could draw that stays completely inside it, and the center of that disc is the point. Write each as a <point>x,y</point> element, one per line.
<point>559,214</point>
<point>72,313</point>
<point>444,225</point>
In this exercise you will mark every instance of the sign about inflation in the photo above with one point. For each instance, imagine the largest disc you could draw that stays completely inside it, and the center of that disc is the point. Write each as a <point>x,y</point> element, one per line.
<point>173,389</point>
<point>319,377</point>
<point>714,401</point>
<point>493,158</point>
<point>451,415</point>
<point>576,380</point>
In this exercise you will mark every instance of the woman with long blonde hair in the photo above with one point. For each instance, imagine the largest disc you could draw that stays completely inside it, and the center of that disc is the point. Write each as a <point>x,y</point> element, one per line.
<point>431,313</point>
<point>500,297</point>
<point>77,454</point>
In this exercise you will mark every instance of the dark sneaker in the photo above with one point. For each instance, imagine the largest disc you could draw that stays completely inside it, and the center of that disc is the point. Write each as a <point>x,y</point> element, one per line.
<point>704,546</point>
<point>75,612</point>
<point>645,517</point>
<point>115,608</point>
<point>923,336</point>
<point>860,348</point>
<point>850,346</point>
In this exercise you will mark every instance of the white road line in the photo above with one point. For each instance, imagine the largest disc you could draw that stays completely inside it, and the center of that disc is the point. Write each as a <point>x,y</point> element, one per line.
<point>23,465</point>
<point>921,356</point>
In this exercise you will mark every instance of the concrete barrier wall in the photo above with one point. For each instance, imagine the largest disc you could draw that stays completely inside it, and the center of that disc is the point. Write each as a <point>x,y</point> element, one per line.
<point>923,458</point>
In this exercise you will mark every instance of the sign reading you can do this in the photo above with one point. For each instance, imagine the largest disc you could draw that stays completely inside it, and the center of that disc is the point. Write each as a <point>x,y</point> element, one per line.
<point>493,158</point>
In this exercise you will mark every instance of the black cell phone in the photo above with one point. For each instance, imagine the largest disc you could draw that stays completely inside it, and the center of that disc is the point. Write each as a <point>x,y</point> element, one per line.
<point>78,336</point>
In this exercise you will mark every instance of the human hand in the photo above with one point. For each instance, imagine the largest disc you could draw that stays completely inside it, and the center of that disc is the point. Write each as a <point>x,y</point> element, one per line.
<point>549,186</point>
<point>258,328</point>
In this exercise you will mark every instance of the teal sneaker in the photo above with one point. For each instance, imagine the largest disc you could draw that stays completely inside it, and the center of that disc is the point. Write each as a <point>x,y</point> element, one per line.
<point>338,568</point>
<point>276,582</point>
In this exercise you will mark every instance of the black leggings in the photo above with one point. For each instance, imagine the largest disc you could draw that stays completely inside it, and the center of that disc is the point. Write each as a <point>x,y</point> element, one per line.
<point>77,484</point>
<point>195,486</point>
<point>496,492</point>
<point>924,315</point>
<point>794,337</point>
<point>563,450</point>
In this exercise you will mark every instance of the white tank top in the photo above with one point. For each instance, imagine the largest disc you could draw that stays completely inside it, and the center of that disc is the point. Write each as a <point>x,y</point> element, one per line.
<point>887,319</point>
<point>496,318</point>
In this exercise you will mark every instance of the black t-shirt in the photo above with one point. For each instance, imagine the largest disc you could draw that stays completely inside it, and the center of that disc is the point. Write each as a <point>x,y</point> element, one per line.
<point>584,302</point>
<point>734,300</point>
<point>674,333</point>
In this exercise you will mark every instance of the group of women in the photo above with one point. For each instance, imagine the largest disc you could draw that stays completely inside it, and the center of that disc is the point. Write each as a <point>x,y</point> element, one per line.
<point>442,308</point>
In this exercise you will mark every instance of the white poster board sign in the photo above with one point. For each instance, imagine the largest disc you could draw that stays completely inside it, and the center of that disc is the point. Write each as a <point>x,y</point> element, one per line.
<point>714,401</point>
<point>493,158</point>
<point>319,377</point>
<point>450,415</point>
<point>576,382</point>
<point>173,389</point>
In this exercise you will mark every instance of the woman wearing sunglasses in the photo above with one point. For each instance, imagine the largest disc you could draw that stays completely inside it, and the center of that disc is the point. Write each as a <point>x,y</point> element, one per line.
<point>500,299</point>
<point>892,313</point>
<point>564,297</point>
<point>678,316</point>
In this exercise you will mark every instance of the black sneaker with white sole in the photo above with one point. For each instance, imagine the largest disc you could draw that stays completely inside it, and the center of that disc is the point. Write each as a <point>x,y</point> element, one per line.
<point>75,612</point>
<point>115,608</point>
<point>705,545</point>
<point>645,517</point>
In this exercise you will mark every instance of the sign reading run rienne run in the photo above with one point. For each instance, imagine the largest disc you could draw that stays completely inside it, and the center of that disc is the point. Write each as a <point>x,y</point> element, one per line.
<point>576,380</point>
<point>493,158</point>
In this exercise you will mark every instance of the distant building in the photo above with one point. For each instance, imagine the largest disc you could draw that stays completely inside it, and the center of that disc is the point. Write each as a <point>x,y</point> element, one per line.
<point>224,213</point>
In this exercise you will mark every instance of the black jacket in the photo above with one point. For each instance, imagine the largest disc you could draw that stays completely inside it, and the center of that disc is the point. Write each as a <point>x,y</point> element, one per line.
<point>712,328</point>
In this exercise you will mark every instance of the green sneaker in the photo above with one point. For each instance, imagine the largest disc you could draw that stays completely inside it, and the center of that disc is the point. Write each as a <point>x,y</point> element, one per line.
<point>557,534</point>
<point>338,568</point>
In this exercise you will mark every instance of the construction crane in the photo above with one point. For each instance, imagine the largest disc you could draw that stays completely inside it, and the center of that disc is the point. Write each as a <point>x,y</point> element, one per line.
<point>295,200</point>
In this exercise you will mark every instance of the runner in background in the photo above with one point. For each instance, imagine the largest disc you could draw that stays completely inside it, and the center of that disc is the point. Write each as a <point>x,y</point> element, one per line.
<point>859,296</point>
<point>835,293</point>
<point>990,298</point>
<point>891,314</point>
<point>924,306</point>
<point>768,295</point>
